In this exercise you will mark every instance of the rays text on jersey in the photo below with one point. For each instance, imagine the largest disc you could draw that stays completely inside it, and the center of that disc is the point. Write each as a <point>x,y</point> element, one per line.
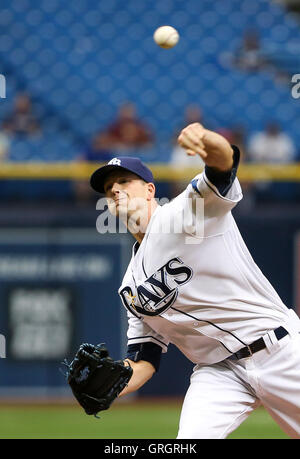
<point>159,291</point>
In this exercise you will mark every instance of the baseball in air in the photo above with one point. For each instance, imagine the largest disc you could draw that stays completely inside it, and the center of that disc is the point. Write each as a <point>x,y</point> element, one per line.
<point>166,37</point>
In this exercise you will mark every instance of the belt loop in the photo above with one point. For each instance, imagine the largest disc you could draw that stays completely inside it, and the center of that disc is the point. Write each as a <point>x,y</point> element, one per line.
<point>268,341</point>
<point>272,337</point>
<point>274,341</point>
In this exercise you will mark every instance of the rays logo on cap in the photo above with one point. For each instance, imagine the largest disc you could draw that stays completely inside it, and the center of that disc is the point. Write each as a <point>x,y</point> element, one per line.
<point>127,163</point>
<point>115,162</point>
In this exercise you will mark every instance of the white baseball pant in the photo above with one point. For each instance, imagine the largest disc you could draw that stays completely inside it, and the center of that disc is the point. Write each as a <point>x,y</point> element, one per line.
<point>221,396</point>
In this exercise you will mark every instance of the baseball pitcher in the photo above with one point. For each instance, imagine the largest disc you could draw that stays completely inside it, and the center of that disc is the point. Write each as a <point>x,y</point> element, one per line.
<point>199,288</point>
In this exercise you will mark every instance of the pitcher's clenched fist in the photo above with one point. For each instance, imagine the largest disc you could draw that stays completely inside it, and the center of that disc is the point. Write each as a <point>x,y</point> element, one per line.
<point>213,148</point>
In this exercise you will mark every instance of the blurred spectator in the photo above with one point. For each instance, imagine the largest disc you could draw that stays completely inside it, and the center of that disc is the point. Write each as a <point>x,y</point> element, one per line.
<point>249,55</point>
<point>4,143</point>
<point>97,151</point>
<point>235,136</point>
<point>126,132</point>
<point>22,120</point>
<point>238,138</point>
<point>179,158</point>
<point>271,146</point>
<point>192,114</point>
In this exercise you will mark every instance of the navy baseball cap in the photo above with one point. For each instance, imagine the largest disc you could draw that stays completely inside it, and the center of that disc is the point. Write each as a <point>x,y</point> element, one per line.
<point>127,163</point>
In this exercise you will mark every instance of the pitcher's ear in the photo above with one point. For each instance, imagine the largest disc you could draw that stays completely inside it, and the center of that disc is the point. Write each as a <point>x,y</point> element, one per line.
<point>151,190</point>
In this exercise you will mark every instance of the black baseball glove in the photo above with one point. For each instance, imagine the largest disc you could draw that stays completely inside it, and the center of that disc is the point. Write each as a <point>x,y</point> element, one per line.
<point>95,378</point>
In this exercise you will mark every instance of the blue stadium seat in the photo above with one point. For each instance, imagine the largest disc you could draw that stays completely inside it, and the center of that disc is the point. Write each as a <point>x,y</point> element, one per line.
<point>80,61</point>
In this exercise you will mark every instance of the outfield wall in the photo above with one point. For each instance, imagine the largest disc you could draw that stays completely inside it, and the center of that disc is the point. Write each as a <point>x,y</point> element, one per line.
<point>58,288</point>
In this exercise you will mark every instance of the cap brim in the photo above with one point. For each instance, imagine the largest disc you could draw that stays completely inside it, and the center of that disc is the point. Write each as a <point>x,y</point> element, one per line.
<point>98,177</point>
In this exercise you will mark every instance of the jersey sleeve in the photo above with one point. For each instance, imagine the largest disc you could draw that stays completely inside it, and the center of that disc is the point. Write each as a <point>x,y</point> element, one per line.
<point>205,205</point>
<point>149,352</point>
<point>211,184</point>
<point>221,191</point>
<point>139,332</point>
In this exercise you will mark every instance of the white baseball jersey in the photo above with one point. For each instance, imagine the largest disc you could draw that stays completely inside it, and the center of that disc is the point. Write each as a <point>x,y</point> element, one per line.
<point>208,297</point>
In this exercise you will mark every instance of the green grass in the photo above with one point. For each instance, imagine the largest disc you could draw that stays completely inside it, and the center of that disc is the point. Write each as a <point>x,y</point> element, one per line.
<point>123,421</point>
